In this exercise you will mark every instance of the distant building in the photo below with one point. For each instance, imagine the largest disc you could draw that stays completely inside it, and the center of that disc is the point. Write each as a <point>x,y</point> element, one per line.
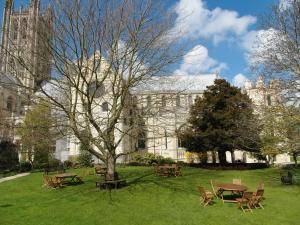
<point>20,39</point>
<point>264,95</point>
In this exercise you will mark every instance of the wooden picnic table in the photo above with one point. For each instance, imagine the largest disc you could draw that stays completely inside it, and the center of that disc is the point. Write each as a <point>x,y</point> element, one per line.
<point>66,176</point>
<point>222,187</point>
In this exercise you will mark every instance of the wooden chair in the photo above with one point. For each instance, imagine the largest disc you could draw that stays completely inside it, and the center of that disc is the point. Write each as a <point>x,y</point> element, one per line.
<point>257,199</point>
<point>260,186</point>
<point>51,182</point>
<point>177,170</point>
<point>213,188</point>
<point>205,196</point>
<point>245,202</point>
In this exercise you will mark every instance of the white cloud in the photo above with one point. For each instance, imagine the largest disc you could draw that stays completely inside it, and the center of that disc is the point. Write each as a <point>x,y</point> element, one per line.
<point>197,61</point>
<point>239,80</point>
<point>194,20</point>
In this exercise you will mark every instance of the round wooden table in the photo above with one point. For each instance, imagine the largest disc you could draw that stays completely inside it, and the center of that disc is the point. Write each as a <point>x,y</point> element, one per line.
<point>230,187</point>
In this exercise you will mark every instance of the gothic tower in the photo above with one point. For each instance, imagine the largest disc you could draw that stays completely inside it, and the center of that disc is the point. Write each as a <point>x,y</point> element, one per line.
<point>24,34</point>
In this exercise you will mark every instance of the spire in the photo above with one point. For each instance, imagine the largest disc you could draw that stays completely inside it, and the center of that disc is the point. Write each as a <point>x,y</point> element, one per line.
<point>8,3</point>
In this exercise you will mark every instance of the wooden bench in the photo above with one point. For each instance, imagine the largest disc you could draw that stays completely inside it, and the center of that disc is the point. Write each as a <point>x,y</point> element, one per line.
<point>111,184</point>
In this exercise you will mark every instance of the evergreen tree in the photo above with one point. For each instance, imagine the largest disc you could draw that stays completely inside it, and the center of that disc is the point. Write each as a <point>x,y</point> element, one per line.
<point>221,121</point>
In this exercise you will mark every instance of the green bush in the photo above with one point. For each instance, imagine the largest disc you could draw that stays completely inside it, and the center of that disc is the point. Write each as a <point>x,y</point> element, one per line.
<point>54,163</point>
<point>67,164</point>
<point>149,159</point>
<point>8,155</point>
<point>25,166</point>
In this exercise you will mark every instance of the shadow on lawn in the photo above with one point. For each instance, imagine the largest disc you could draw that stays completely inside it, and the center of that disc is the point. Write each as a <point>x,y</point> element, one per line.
<point>6,205</point>
<point>184,184</point>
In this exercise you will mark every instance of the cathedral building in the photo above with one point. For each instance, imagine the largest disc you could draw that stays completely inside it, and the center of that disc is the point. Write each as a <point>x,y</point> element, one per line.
<point>22,42</point>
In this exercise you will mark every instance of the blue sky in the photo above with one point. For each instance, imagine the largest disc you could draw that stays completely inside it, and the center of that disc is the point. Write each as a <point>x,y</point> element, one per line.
<point>219,34</point>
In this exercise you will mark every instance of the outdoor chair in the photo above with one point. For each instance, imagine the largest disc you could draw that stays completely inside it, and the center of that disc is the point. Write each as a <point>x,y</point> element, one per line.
<point>177,171</point>
<point>213,188</point>
<point>287,179</point>
<point>239,182</point>
<point>51,182</point>
<point>257,199</point>
<point>205,196</point>
<point>245,202</point>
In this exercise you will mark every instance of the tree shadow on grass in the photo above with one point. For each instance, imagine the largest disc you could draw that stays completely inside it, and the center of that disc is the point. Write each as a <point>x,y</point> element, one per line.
<point>6,205</point>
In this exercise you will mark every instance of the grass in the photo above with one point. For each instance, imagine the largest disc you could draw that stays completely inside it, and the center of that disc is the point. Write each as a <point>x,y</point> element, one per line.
<point>148,200</point>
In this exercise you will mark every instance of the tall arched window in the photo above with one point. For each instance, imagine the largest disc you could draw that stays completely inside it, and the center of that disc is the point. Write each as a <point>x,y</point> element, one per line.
<point>9,104</point>
<point>269,100</point>
<point>104,106</point>
<point>24,28</point>
<point>190,100</point>
<point>15,29</point>
<point>178,100</point>
<point>163,101</point>
<point>148,101</point>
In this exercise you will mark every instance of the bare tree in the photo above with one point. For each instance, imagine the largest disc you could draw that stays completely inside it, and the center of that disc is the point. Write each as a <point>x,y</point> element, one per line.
<point>99,51</point>
<point>276,53</point>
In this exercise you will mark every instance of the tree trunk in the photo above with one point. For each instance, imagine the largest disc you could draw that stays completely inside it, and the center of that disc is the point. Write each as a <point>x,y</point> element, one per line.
<point>111,168</point>
<point>214,156</point>
<point>295,159</point>
<point>222,157</point>
<point>232,156</point>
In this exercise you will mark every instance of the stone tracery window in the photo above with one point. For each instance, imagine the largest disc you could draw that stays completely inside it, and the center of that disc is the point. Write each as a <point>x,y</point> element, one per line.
<point>24,28</point>
<point>15,29</point>
<point>9,104</point>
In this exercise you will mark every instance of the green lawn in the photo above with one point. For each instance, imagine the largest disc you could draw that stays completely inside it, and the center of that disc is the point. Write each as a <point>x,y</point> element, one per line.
<point>147,200</point>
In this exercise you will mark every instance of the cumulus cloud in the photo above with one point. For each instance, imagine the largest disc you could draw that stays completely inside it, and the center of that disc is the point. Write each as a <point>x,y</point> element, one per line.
<point>197,61</point>
<point>195,20</point>
<point>239,80</point>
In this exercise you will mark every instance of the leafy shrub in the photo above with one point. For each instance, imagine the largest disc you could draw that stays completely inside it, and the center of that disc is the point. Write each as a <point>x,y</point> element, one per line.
<point>166,161</point>
<point>149,159</point>
<point>8,155</point>
<point>25,166</point>
<point>67,164</point>
<point>85,159</point>
<point>54,163</point>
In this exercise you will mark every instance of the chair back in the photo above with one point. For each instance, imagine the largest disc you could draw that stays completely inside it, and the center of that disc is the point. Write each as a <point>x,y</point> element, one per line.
<point>260,186</point>
<point>213,187</point>
<point>260,193</point>
<point>247,195</point>
<point>236,181</point>
<point>202,191</point>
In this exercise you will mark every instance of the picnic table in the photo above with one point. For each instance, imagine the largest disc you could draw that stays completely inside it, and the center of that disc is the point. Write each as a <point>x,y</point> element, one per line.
<point>222,187</point>
<point>67,177</point>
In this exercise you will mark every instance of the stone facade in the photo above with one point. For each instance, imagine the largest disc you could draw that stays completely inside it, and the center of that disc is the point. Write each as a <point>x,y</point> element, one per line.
<point>22,38</point>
